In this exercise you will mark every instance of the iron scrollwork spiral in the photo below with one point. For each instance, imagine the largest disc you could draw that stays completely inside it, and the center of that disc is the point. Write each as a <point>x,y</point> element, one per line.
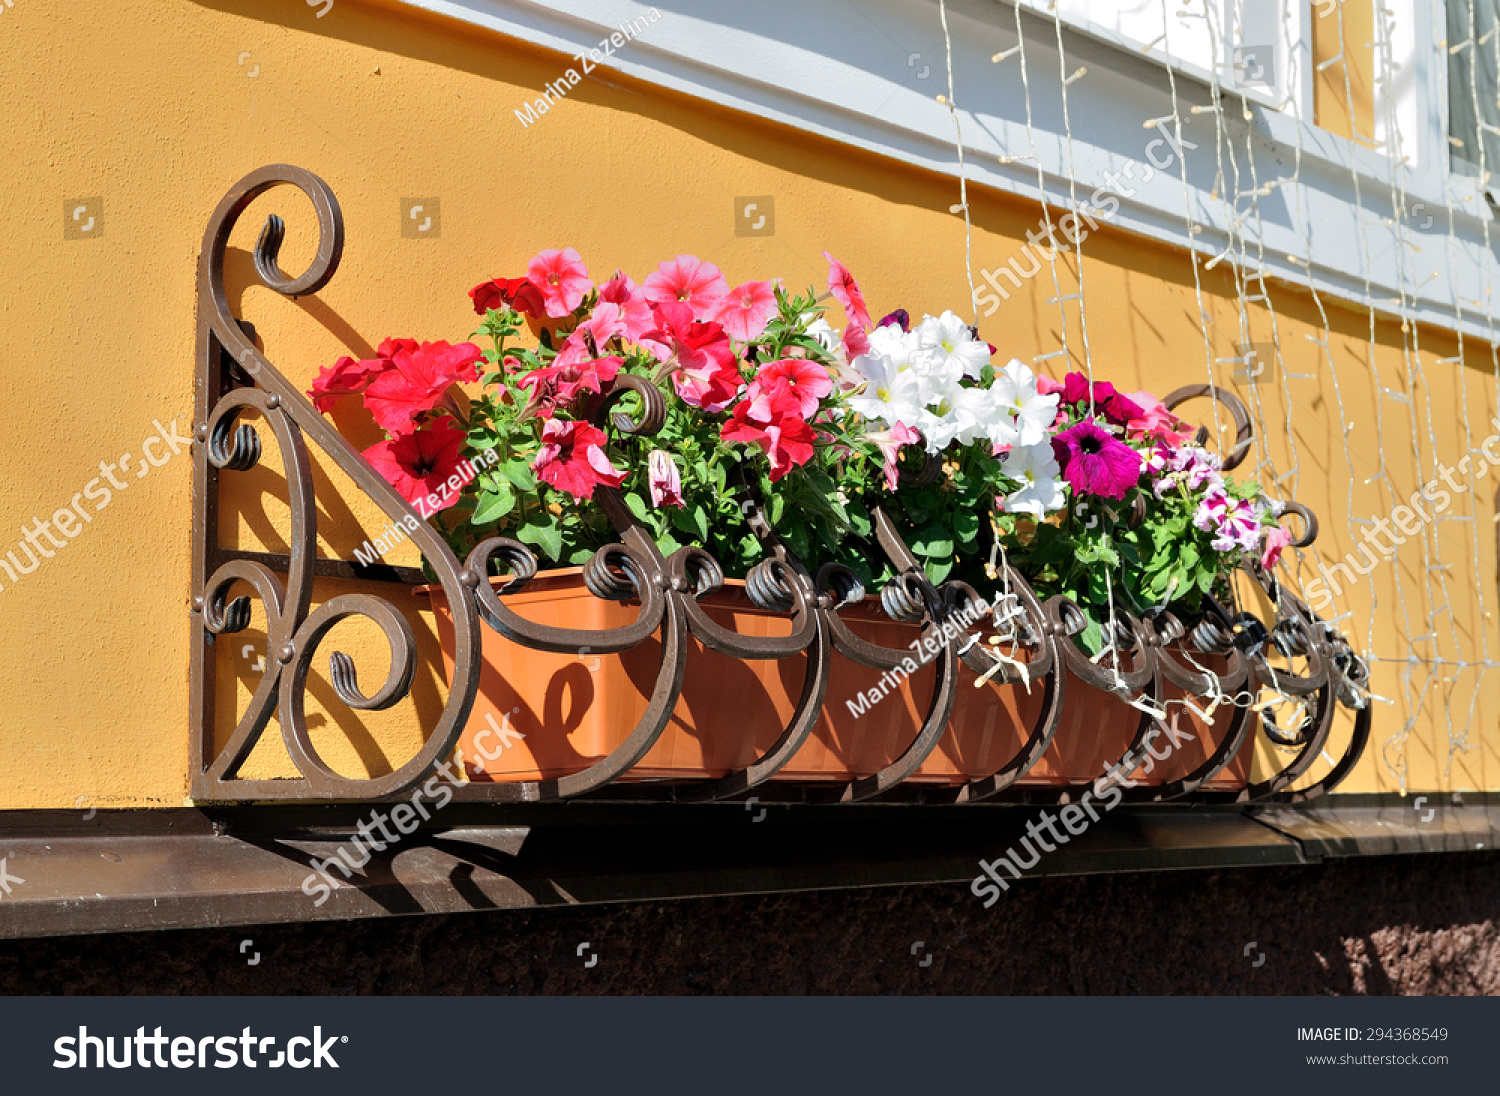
<point>1225,653</point>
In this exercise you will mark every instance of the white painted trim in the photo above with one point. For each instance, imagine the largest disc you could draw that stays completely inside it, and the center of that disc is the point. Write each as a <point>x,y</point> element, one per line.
<point>845,72</point>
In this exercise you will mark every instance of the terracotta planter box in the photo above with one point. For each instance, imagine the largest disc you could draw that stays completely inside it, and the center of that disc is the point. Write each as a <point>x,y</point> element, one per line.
<point>575,709</point>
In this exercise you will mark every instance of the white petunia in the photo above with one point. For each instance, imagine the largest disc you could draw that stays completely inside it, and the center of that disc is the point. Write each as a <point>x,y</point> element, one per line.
<point>1036,468</point>
<point>948,338</point>
<point>890,395</point>
<point>1030,414</point>
<point>828,338</point>
<point>893,344</point>
<point>961,416</point>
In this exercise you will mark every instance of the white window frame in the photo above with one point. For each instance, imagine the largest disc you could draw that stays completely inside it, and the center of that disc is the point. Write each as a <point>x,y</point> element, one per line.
<point>845,70</point>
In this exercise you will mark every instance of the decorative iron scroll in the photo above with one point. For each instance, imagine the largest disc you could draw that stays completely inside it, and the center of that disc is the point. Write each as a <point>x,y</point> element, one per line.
<point>1148,653</point>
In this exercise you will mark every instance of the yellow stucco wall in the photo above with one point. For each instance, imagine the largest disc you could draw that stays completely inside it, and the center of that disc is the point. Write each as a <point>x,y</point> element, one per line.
<point>153,106</point>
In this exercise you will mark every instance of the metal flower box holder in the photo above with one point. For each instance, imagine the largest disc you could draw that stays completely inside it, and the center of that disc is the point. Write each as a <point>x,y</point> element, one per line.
<point>233,377</point>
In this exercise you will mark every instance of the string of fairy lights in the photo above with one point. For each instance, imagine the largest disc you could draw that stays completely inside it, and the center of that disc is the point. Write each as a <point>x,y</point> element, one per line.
<point>1440,666</point>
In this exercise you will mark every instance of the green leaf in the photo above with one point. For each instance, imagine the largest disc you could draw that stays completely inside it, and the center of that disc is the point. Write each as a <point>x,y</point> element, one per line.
<point>1092,636</point>
<point>692,520</point>
<point>638,506</point>
<point>933,540</point>
<point>937,569</point>
<point>966,525</point>
<point>519,473</point>
<point>545,535</point>
<point>494,503</point>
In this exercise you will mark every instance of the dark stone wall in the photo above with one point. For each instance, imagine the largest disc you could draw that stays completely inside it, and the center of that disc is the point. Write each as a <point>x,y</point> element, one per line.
<point>1408,924</point>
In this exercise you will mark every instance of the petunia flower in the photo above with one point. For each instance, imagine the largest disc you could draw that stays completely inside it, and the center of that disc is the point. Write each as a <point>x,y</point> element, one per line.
<point>949,339</point>
<point>899,318</point>
<point>890,395</point>
<point>962,415</point>
<point>419,464</point>
<point>846,291</point>
<point>347,377</point>
<point>1036,468</point>
<point>562,279</point>
<point>745,310</point>
<point>1030,413</point>
<point>572,459</point>
<point>419,382</point>
<point>1096,463</point>
<point>557,387</point>
<point>1277,539</point>
<point>664,480</point>
<point>1156,422</point>
<point>787,439</point>
<point>1239,528</point>
<point>603,324</point>
<point>1195,468</point>
<point>1117,408</point>
<point>890,443</point>
<point>517,293</point>
<point>856,342</point>
<point>635,310</point>
<point>706,372</point>
<point>788,382</point>
<point>690,280</point>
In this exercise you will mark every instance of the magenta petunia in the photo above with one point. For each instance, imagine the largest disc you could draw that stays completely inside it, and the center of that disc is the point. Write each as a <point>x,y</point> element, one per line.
<point>1116,406</point>
<point>1095,463</point>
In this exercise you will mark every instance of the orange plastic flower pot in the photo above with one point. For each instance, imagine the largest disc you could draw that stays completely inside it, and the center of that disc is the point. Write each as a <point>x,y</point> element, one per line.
<point>574,709</point>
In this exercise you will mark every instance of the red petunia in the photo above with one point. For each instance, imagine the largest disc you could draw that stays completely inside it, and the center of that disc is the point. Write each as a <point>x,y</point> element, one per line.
<point>707,372</point>
<point>787,438</point>
<point>556,387</point>
<point>517,293</point>
<point>347,377</point>
<point>420,464</point>
<point>572,459</point>
<point>419,382</point>
<point>846,291</point>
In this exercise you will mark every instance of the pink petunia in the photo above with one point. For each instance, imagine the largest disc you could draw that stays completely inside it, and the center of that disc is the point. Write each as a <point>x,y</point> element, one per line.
<point>635,310</point>
<point>1277,539</point>
<point>706,371</point>
<point>1094,462</point>
<point>690,280</point>
<point>664,480</point>
<point>890,443</point>
<point>794,379</point>
<point>745,310</point>
<point>856,341</point>
<point>562,278</point>
<point>1157,422</point>
<point>559,385</point>
<point>846,291</point>
<point>572,459</point>
<point>603,324</point>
